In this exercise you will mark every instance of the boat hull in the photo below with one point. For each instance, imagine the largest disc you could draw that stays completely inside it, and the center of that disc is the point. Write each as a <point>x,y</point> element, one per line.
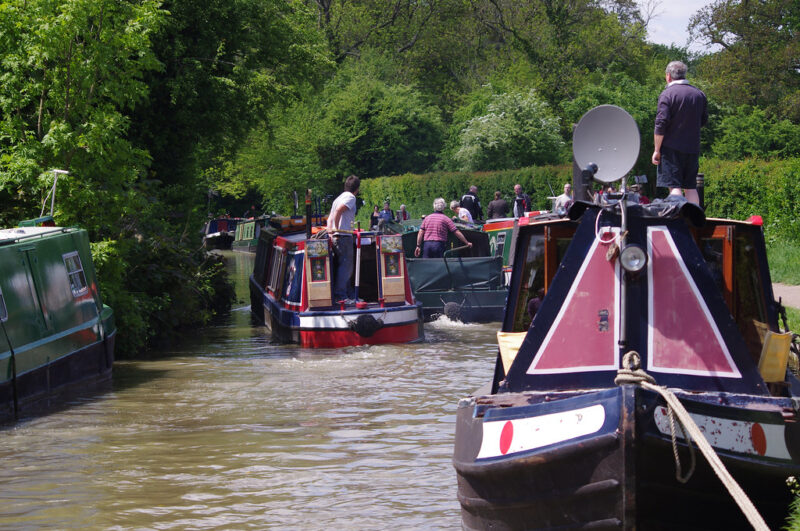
<point>338,328</point>
<point>603,460</point>
<point>42,387</point>
<point>467,307</point>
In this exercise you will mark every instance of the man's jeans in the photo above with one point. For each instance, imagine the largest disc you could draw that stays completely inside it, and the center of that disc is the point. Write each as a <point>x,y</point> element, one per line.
<point>343,250</point>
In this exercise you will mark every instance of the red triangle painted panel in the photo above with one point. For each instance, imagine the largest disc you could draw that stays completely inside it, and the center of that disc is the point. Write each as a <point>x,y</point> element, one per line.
<point>682,335</point>
<point>584,334</point>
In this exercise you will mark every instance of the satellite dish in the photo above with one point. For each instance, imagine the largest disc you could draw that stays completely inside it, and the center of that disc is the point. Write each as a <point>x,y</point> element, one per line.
<point>608,137</point>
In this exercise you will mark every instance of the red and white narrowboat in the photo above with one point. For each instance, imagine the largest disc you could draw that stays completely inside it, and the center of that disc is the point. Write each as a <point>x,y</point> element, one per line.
<point>291,291</point>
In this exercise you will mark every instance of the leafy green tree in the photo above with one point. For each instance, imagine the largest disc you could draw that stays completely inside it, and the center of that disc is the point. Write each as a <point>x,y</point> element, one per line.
<point>749,132</point>
<point>371,128</point>
<point>518,130</point>
<point>71,73</point>
<point>565,41</point>
<point>227,63</point>
<point>759,63</point>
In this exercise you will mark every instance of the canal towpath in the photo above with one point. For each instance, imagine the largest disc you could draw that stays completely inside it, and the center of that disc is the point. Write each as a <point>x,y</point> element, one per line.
<point>790,295</point>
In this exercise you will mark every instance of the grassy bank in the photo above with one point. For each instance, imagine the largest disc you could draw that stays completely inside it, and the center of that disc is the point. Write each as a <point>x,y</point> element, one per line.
<point>784,262</point>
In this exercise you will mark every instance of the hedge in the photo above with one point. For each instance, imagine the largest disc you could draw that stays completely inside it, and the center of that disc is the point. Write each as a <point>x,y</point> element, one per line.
<point>417,192</point>
<point>735,190</point>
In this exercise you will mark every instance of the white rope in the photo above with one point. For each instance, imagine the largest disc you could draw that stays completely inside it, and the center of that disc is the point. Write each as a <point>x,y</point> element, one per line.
<point>634,375</point>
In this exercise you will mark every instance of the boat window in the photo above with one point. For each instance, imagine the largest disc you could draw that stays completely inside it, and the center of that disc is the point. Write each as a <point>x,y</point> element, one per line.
<point>77,280</point>
<point>532,281</point>
<point>500,243</point>
<point>751,311</point>
<point>712,253</point>
<point>3,310</point>
<point>276,270</point>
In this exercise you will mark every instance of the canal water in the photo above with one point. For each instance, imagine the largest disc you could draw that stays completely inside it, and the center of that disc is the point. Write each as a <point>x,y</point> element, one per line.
<point>228,431</point>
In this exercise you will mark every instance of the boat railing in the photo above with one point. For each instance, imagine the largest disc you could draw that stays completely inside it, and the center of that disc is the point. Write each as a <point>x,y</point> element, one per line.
<point>26,235</point>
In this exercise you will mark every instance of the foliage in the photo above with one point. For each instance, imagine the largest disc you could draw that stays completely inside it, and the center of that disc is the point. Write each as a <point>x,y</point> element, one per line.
<point>749,132</point>
<point>565,41</point>
<point>784,255</point>
<point>738,190</point>
<point>70,74</point>
<point>518,130</point>
<point>759,63</point>
<point>227,63</point>
<point>158,289</point>
<point>417,192</point>
<point>371,128</point>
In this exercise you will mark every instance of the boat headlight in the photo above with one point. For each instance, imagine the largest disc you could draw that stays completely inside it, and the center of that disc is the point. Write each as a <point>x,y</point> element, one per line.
<point>633,258</point>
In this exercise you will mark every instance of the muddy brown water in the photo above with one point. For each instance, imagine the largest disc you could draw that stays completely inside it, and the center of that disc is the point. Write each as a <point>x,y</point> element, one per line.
<point>229,431</point>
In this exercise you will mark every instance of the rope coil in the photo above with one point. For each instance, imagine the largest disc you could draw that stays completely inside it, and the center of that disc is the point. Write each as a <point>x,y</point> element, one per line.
<point>632,373</point>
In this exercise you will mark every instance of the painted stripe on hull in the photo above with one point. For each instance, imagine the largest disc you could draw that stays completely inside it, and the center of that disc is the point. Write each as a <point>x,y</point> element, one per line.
<point>752,438</point>
<point>404,333</point>
<point>505,437</point>
<point>341,320</point>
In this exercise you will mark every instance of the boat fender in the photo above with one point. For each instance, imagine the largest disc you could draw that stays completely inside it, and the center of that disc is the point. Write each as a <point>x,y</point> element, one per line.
<point>452,310</point>
<point>366,325</point>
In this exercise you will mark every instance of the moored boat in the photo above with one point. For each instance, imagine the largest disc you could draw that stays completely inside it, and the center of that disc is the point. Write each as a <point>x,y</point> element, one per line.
<point>291,291</point>
<point>218,233</point>
<point>573,431</point>
<point>56,332</point>
<point>245,238</point>
<point>466,284</point>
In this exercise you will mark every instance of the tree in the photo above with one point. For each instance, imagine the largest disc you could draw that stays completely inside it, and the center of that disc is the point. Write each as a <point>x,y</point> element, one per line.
<point>565,41</point>
<point>518,130</point>
<point>750,133</point>
<point>72,71</point>
<point>759,63</point>
<point>371,128</point>
<point>227,63</point>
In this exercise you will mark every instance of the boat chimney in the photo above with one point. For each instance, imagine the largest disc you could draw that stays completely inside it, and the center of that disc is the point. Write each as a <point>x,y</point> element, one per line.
<point>308,214</point>
<point>700,189</point>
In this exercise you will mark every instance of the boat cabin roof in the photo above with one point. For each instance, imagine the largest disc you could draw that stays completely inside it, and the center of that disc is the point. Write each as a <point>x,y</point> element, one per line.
<point>9,236</point>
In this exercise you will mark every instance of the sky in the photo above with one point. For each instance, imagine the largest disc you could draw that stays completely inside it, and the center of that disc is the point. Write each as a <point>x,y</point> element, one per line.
<point>671,17</point>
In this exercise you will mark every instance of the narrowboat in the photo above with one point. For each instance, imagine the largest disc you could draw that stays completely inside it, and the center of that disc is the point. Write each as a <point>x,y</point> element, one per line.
<point>55,332</point>
<point>654,387</point>
<point>218,233</point>
<point>245,239</point>
<point>291,291</point>
<point>466,284</point>
<point>501,232</point>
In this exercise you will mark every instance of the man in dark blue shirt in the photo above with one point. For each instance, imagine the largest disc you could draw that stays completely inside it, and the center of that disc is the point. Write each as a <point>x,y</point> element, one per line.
<point>682,111</point>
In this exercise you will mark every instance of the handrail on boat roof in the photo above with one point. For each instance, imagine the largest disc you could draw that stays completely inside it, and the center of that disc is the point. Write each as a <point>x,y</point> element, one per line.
<point>18,234</point>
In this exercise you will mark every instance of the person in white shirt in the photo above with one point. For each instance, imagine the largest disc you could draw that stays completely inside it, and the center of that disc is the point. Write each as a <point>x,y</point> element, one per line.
<point>462,213</point>
<point>341,218</point>
<point>563,201</point>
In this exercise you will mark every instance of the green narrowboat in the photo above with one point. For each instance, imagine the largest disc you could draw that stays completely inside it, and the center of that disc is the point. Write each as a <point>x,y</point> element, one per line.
<point>55,332</point>
<point>247,231</point>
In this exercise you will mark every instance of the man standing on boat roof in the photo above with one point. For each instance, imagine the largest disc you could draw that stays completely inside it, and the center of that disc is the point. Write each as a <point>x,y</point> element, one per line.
<point>522,201</point>
<point>433,232</point>
<point>471,202</point>
<point>682,111</point>
<point>341,218</point>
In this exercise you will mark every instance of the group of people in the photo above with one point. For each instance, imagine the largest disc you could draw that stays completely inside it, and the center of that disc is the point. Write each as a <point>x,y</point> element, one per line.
<point>387,214</point>
<point>682,110</point>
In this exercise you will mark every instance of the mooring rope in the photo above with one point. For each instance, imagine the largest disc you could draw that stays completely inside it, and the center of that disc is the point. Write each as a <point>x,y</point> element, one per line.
<point>632,373</point>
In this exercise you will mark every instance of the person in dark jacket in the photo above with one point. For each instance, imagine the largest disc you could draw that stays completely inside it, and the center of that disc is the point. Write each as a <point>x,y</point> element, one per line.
<point>522,201</point>
<point>682,110</point>
<point>470,202</point>
<point>498,207</point>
